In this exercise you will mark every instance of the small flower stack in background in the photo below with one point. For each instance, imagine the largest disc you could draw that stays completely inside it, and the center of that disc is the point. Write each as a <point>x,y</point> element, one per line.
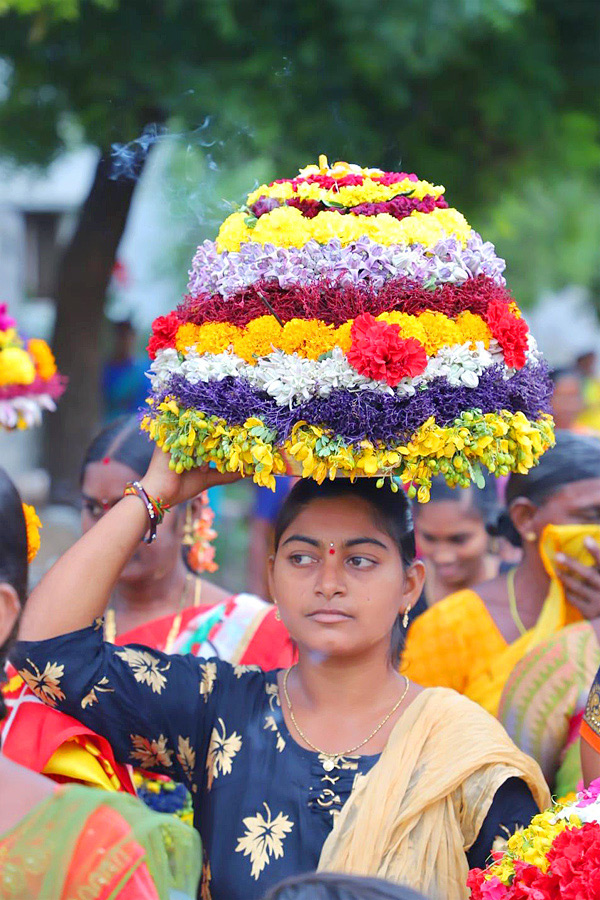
<point>29,380</point>
<point>556,858</point>
<point>349,322</point>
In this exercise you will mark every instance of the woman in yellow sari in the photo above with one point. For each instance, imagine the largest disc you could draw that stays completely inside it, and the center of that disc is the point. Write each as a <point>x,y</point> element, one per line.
<point>472,640</point>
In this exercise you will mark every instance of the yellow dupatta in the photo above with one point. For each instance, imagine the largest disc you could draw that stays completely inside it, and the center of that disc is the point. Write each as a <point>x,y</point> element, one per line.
<point>413,816</point>
<point>486,685</point>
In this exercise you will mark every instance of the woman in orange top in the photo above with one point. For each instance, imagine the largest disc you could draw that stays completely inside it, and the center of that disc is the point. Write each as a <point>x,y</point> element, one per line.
<point>472,640</point>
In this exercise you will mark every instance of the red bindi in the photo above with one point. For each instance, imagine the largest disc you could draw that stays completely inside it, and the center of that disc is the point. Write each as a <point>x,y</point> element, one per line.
<point>331,550</point>
<point>106,460</point>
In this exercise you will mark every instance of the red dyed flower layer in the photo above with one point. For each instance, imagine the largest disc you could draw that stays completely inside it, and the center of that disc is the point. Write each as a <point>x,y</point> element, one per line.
<point>380,353</point>
<point>164,332</point>
<point>335,303</point>
<point>510,332</point>
<point>397,207</point>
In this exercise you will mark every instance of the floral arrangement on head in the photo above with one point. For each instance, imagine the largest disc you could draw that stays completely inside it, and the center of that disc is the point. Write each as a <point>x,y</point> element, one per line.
<point>556,858</point>
<point>29,380</point>
<point>348,321</point>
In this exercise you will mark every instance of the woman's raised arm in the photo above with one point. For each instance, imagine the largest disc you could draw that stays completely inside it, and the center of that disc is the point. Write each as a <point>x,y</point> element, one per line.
<point>78,587</point>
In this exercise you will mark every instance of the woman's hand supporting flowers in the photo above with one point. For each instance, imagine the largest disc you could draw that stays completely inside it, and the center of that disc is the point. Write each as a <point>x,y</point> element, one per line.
<point>77,588</point>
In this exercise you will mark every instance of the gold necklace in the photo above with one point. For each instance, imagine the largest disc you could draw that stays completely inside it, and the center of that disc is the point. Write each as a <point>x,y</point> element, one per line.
<point>512,601</point>
<point>331,759</point>
<point>110,619</point>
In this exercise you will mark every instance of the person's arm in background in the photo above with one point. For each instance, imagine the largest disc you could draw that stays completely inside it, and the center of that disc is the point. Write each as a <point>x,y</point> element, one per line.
<point>78,587</point>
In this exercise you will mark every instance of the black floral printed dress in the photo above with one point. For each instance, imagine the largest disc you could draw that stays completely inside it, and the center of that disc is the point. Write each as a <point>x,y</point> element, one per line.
<point>263,804</point>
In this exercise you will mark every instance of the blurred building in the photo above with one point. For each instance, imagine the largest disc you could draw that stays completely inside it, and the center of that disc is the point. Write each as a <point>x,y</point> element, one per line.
<point>38,210</point>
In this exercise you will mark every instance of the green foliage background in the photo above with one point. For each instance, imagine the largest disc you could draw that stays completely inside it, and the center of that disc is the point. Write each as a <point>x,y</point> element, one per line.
<point>497,99</point>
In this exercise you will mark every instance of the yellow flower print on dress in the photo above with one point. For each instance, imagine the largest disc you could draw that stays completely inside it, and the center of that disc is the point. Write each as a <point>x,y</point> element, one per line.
<point>238,671</point>
<point>263,839</point>
<point>207,681</point>
<point>45,685</point>
<point>91,697</point>
<point>151,754</point>
<point>271,725</point>
<point>186,757</point>
<point>272,692</point>
<point>221,752</point>
<point>146,668</point>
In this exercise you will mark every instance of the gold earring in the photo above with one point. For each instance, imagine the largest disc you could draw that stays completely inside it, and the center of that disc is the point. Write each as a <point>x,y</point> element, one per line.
<point>531,536</point>
<point>277,613</point>
<point>405,616</point>
<point>188,528</point>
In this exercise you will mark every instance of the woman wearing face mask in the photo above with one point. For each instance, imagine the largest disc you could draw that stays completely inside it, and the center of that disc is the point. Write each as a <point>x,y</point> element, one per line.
<point>473,640</point>
<point>273,758</point>
<point>74,841</point>
<point>157,601</point>
<point>452,537</point>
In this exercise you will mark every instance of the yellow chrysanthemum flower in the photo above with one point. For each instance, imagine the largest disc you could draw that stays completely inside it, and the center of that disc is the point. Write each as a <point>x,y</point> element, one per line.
<point>284,227</point>
<point>16,366</point>
<point>473,328</point>
<point>410,326</point>
<point>369,191</point>
<point>287,227</point>
<point>214,337</point>
<point>343,338</point>
<point>260,337</point>
<point>43,357</point>
<point>439,331</point>
<point>308,337</point>
<point>233,232</point>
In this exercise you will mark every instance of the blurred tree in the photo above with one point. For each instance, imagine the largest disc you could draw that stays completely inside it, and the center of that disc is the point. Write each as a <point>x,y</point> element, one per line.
<point>475,93</point>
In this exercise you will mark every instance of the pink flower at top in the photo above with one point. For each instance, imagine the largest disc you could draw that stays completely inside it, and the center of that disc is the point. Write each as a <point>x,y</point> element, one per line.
<point>6,321</point>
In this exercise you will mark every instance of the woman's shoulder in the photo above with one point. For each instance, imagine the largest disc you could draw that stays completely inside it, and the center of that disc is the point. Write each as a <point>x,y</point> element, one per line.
<point>446,700</point>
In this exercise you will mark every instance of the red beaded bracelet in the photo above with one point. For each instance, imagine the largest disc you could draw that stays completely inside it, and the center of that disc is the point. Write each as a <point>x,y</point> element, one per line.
<point>155,508</point>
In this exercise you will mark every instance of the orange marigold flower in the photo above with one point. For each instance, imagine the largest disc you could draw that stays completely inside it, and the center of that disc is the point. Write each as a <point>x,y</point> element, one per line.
<point>308,337</point>
<point>473,328</point>
<point>33,525</point>
<point>259,338</point>
<point>43,357</point>
<point>440,331</point>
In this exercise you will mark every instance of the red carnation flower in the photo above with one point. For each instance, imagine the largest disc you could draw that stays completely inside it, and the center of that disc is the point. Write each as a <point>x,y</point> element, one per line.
<point>575,862</point>
<point>510,332</point>
<point>164,332</point>
<point>380,353</point>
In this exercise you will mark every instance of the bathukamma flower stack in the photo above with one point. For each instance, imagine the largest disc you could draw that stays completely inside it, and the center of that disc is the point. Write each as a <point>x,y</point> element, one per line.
<point>348,322</point>
<point>29,380</point>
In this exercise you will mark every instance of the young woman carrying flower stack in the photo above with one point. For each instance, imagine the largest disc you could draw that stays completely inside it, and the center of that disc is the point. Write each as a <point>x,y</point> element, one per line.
<point>338,762</point>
